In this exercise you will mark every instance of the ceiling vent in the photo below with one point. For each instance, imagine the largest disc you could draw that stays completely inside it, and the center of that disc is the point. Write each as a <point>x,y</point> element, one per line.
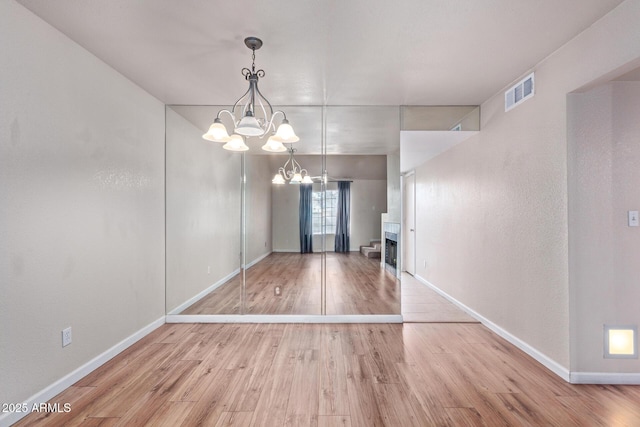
<point>519,93</point>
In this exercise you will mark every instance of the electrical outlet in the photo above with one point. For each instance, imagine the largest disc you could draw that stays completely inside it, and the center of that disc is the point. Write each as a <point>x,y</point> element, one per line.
<point>424,263</point>
<point>66,336</point>
<point>209,269</point>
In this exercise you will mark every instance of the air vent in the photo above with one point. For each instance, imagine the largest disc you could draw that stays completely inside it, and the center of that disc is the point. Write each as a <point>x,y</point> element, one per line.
<point>519,93</point>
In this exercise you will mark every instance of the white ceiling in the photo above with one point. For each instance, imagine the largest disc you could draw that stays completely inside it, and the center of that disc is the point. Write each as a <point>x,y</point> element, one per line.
<point>362,58</point>
<point>334,52</point>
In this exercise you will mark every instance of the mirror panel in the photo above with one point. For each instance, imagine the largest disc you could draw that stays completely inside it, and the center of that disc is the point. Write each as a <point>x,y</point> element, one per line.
<point>280,279</point>
<point>359,141</point>
<point>233,246</point>
<point>203,211</point>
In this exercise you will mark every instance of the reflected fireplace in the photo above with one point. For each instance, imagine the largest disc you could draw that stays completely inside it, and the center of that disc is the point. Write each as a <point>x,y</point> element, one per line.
<point>391,251</point>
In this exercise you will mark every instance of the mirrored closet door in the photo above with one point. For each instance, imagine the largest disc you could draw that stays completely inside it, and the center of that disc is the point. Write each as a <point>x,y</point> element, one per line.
<point>241,242</point>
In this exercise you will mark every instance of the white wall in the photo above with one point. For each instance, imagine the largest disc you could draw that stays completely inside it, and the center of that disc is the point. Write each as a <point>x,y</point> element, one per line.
<point>604,174</point>
<point>285,200</point>
<point>259,238</point>
<point>81,205</point>
<point>491,219</point>
<point>394,198</point>
<point>368,202</point>
<point>203,211</point>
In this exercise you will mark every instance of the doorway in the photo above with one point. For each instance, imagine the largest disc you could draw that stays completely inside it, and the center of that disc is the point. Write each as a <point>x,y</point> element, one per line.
<point>409,223</point>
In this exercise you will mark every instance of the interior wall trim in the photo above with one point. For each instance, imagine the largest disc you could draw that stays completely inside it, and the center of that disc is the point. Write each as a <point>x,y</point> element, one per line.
<point>257,260</point>
<point>284,318</point>
<point>68,380</point>
<point>204,293</point>
<point>542,358</point>
<point>617,378</point>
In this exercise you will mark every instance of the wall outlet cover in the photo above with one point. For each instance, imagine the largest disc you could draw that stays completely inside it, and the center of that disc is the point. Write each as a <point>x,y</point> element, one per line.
<point>66,336</point>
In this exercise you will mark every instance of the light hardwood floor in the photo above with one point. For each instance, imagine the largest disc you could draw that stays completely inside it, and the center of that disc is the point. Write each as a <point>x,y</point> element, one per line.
<point>421,304</point>
<point>432,374</point>
<point>355,285</point>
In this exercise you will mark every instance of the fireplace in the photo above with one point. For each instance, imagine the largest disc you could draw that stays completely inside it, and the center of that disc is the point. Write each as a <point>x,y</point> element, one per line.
<point>391,251</point>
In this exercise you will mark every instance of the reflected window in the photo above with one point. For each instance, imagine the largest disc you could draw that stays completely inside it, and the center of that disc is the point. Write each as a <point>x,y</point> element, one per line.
<point>329,211</point>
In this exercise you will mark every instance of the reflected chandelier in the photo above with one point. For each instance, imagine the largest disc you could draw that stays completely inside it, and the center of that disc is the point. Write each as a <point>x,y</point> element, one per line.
<point>292,172</point>
<point>252,115</point>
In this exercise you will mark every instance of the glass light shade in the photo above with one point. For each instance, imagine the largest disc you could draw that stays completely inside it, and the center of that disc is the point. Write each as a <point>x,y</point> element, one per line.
<point>285,133</point>
<point>235,143</point>
<point>274,146</point>
<point>249,126</point>
<point>297,178</point>
<point>307,180</point>
<point>217,132</point>
<point>278,179</point>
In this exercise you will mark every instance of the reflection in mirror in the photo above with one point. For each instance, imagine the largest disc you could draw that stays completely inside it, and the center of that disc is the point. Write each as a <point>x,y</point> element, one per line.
<point>279,278</point>
<point>213,267</point>
<point>362,152</point>
<point>203,202</point>
<point>286,281</point>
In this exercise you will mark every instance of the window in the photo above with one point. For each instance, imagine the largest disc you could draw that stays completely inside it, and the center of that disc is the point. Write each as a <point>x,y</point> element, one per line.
<point>331,204</point>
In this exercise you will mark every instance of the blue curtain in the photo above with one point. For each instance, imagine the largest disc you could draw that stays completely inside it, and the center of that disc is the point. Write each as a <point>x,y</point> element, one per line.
<point>342,217</point>
<point>306,229</point>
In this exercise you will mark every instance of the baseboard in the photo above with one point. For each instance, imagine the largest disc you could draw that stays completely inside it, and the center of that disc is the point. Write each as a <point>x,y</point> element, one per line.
<point>204,293</point>
<point>68,380</point>
<point>605,378</point>
<point>284,318</point>
<point>549,363</point>
<point>257,260</point>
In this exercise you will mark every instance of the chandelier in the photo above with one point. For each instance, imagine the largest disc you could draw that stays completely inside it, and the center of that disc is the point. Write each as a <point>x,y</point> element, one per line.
<point>252,115</point>
<point>292,172</point>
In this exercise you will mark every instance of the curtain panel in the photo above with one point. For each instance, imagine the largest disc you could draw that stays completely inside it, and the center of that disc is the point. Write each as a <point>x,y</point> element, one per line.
<point>342,217</point>
<point>306,229</point>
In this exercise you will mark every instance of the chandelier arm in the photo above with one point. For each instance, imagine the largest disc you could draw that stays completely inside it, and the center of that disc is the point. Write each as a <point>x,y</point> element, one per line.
<point>265,116</point>
<point>224,110</point>
<point>273,116</point>
<point>233,110</point>
<point>285,174</point>
<point>265,98</point>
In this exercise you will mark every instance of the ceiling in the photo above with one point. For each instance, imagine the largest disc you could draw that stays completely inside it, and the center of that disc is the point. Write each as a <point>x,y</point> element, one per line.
<point>356,52</point>
<point>361,58</point>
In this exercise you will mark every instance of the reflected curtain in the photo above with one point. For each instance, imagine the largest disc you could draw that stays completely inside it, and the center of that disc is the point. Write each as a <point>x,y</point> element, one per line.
<point>342,217</point>
<point>305,217</point>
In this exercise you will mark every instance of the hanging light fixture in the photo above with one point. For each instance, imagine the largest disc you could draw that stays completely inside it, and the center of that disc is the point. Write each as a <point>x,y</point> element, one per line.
<point>292,172</point>
<point>252,114</point>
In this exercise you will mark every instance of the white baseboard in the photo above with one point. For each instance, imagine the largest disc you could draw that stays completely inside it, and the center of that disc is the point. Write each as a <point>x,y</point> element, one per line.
<point>257,260</point>
<point>605,378</point>
<point>68,380</point>
<point>216,285</point>
<point>284,318</point>
<point>204,293</point>
<point>549,363</point>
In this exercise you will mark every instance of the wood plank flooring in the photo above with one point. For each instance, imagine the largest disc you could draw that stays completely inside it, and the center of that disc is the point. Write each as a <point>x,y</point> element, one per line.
<point>432,374</point>
<point>422,304</point>
<point>355,285</point>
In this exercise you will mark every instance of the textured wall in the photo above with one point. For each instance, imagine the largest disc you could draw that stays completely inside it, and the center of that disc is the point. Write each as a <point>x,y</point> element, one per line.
<point>81,205</point>
<point>492,212</point>
<point>203,211</point>
<point>604,174</point>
